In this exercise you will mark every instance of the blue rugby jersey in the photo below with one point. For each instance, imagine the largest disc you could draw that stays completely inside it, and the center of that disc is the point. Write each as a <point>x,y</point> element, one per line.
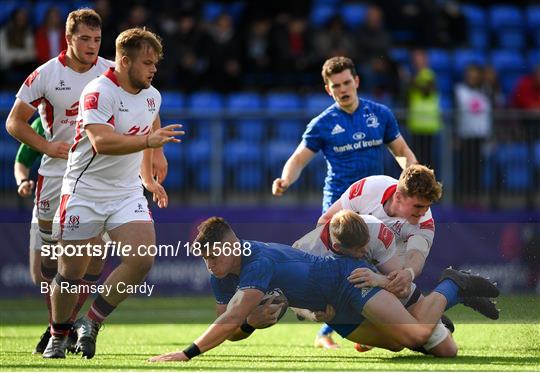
<point>307,281</point>
<point>352,144</point>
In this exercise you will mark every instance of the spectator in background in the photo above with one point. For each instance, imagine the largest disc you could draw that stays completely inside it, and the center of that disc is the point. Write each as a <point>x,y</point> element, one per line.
<point>334,40</point>
<point>424,119</point>
<point>49,37</point>
<point>108,28</point>
<point>139,16</point>
<point>373,38</point>
<point>17,52</point>
<point>257,59</point>
<point>380,79</point>
<point>223,54</point>
<point>453,25</point>
<point>526,96</point>
<point>474,126</point>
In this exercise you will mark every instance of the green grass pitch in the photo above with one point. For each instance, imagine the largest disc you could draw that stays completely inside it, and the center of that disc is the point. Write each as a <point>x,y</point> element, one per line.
<point>141,328</point>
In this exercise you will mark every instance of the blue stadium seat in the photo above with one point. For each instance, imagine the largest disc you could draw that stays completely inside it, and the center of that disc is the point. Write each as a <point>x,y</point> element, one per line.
<point>278,152</point>
<point>250,130</point>
<point>445,82</point>
<point>514,162</point>
<point>536,155</point>
<point>511,38</point>
<point>244,102</point>
<point>533,58</point>
<point>282,102</point>
<point>478,38</point>
<point>175,176</point>
<point>212,10</point>
<point>401,56</point>
<point>205,102</point>
<point>464,57</point>
<point>446,101</point>
<point>288,130</point>
<point>7,98</point>
<point>6,10</point>
<point>353,14</point>
<point>504,16</point>
<point>508,61</point>
<point>242,161</point>
<point>197,154</point>
<point>533,17</point>
<point>439,60</point>
<point>476,16</point>
<point>39,10</point>
<point>172,100</point>
<point>509,81</point>
<point>317,102</point>
<point>321,14</point>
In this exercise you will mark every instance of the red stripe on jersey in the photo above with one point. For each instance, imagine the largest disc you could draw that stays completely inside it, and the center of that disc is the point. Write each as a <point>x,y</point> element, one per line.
<point>30,79</point>
<point>39,187</point>
<point>62,212</point>
<point>110,74</point>
<point>36,102</point>
<point>385,235</point>
<point>325,238</point>
<point>356,189</point>
<point>111,120</point>
<point>78,136</point>
<point>428,224</point>
<point>49,115</point>
<point>389,192</point>
<point>62,58</point>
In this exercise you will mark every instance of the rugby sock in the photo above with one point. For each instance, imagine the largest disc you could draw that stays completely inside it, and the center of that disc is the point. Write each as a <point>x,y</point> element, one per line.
<point>88,279</point>
<point>60,329</point>
<point>48,274</point>
<point>449,290</point>
<point>100,309</point>
<point>325,330</point>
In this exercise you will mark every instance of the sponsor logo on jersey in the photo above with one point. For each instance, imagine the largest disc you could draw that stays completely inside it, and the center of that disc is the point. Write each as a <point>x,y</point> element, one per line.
<point>31,78</point>
<point>151,104</point>
<point>62,86</point>
<point>73,222</point>
<point>428,224</point>
<point>372,121</point>
<point>356,189</point>
<point>91,100</point>
<point>362,144</point>
<point>396,227</point>
<point>122,108</point>
<point>73,110</point>
<point>337,129</point>
<point>140,208</point>
<point>385,235</point>
<point>359,136</point>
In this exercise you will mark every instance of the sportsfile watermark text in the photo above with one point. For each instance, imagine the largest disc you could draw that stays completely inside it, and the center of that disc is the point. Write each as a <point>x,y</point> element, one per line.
<point>119,249</point>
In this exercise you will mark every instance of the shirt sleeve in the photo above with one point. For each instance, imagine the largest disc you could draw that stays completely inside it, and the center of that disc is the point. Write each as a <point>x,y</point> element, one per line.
<point>31,91</point>
<point>97,107</point>
<point>384,244</point>
<point>351,197</point>
<point>26,155</point>
<point>391,130</point>
<point>256,275</point>
<point>223,289</point>
<point>312,136</point>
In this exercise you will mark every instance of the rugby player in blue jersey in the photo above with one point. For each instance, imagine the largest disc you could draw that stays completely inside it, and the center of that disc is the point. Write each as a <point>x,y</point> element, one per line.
<point>351,134</point>
<point>309,282</point>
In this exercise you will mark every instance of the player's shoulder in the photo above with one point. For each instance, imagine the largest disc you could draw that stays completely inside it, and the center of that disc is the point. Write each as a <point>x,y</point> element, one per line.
<point>328,114</point>
<point>104,64</point>
<point>379,183</point>
<point>374,107</point>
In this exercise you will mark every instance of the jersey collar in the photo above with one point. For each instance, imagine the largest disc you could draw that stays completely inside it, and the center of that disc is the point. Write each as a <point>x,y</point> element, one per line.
<point>109,73</point>
<point>325,238</point>
<point>63,60</point>
<point>388,193</point>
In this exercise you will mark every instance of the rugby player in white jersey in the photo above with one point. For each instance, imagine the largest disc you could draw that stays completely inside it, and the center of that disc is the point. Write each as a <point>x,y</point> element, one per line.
<point>102,190</point>
<point>54,89</point>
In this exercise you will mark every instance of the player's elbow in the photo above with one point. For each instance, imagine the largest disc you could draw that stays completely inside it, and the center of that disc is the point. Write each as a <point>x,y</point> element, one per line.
<point>11,126</point>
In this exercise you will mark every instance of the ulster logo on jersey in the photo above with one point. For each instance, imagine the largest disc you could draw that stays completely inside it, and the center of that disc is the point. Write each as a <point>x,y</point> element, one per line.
<point>337,129</point>
<point>151,104</point>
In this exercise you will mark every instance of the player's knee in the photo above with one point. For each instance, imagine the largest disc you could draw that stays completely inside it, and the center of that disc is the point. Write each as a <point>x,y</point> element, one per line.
<point>415,337</point>
<point>143,264</point>
<point>73,272</point>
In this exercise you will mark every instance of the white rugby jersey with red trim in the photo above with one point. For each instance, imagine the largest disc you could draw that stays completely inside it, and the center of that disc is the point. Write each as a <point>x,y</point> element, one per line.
<point>368,195</point>
<point>104,177</point>
<point>381,245</point>
<point>54,89</point>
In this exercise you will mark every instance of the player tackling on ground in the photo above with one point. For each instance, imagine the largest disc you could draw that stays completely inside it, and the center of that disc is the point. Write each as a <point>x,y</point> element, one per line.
<point>102,191</point>
<point>311,282</point>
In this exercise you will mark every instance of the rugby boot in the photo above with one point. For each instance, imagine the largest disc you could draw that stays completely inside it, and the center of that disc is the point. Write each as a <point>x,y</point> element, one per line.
<point>44,339</point>
<point>485,306</point>
<point>470,285</point>
<point>56,348</point>
<point>87,331</point>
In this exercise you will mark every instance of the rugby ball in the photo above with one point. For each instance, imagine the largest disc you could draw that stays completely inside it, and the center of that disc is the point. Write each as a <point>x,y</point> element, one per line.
<point>279,299</point>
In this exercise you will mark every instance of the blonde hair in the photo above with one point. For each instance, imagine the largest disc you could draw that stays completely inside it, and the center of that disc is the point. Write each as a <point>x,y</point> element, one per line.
<point>349,229</point>
<point>336,65</point>
<point>419,181</point>
<point>135,39</point>
<point>85,16</point>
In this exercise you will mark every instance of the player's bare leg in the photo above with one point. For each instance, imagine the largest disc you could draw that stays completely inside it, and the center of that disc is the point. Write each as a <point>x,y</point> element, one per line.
<point>132,271</point>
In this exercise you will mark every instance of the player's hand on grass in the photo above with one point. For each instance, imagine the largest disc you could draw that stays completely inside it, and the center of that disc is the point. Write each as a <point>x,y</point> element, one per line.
<point>159,195</point>
<point>159,165</point>
<point>265,314</point>
<point>25,188</point>
<point>57,149</point>
<point>325,316</point>
<point>279,186</point>
<point>164,135</point>
<point>400,282</point>
<point>365,277</point>
<point>170,356</point>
